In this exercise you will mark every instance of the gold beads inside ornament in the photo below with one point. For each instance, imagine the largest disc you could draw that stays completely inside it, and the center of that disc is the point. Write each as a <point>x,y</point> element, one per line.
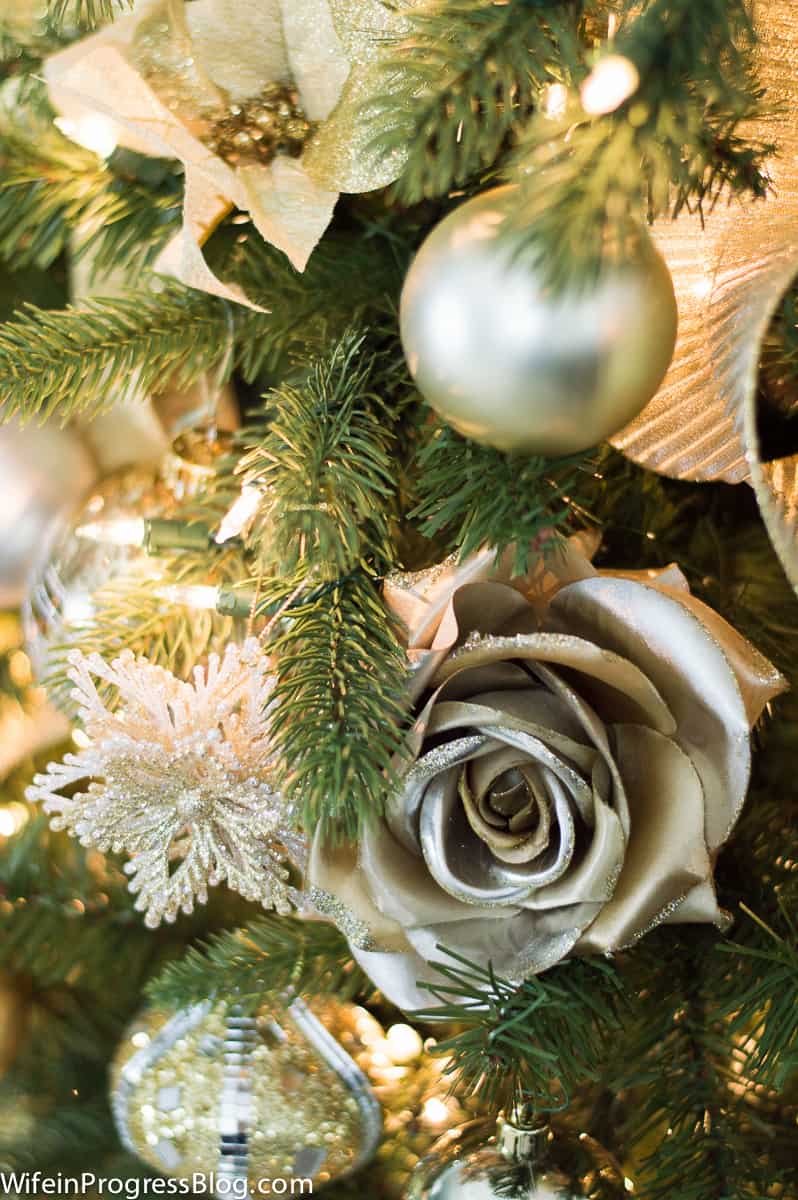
<point>268,1097</point>
<point>258,130</point>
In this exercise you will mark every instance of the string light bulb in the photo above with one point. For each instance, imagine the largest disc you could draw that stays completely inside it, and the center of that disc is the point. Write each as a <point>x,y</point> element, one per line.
<point>611,82</point>
<point>240,515</point>
<point>121,531</point>
<point>153,534</point>
<point>91,130</point>
<point>203,596</point>
<point>555,99</point>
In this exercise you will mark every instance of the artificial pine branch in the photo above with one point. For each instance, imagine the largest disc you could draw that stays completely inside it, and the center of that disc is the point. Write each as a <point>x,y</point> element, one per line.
<point>325,467</point>
<point>677,142</point>
<point>87,13</point>
<point>476,496</point>
<point>339,705</point>
<point>532,1043</point>
<point>85,360</point>
<point>688,1126</point>
<point>352,279</point>
<point>467,75</point>
<point>54,195</point>
<point>269,956</point>
<point>763,1014</point>
<point>129,614</point>
<point>63,920</point>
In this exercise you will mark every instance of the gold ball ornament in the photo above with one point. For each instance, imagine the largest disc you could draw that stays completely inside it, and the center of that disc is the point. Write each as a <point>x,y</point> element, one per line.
<point>510,364</point>
<point>275,1096</point>
<point>514,1164</point>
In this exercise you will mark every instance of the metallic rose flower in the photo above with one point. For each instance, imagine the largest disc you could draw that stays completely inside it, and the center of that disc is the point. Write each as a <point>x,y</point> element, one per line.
<point>580,754</point>
<point>263,101</point>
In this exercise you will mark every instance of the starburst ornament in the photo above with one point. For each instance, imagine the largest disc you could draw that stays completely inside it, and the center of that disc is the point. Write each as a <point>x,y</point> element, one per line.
<point>178,778</point>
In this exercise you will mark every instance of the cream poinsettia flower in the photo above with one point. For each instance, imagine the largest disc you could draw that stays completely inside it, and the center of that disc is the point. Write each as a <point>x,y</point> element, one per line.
<point>580,754</point>
<point>212,83</point>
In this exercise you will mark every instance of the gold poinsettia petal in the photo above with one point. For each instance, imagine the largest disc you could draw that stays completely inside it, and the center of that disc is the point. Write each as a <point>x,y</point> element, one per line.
<point>730,274</point>
<point>341,154</point>
<point>171,76</point>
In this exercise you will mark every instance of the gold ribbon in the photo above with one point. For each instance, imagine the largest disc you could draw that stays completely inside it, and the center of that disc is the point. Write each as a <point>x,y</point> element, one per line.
<point>730,277</point>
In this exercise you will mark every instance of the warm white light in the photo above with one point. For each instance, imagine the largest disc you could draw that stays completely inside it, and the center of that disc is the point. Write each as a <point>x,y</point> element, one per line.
<point>435,1113</point>
<point>12,818</point>
<point>612,81</point>
<point>76,608</point>
<point>404,1044</point>
<point>92,130</point>
<point>192,595</point>
<point>121,531</point>
<point>81,739</point>
<point>19,669</point>
<point>555,99</point>
<point>239,515</point>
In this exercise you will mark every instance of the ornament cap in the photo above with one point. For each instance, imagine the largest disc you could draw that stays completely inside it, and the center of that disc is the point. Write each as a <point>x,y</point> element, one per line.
<point>519,1135</point>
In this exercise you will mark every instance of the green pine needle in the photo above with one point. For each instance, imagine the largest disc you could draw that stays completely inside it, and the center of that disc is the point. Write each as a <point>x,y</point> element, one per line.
<point>476,496</point>
<point>339,706</point>
<point>84,360</point>
<point>325,467</point>
<point>268,957</point>
<point>464,79</point>
<point>56,195</point>
<point>678,141</point>
<point>86,13</point>
<point>529,1044</point>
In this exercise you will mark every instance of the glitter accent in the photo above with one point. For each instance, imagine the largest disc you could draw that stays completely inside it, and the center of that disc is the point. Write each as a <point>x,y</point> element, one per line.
<point>666,911</point>
<point>178,777</point>
<point>420,581</point>
<point>355,930</point>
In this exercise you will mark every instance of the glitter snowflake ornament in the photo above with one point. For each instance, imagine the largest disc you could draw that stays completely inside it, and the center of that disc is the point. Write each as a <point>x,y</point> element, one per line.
<point>178,778</point>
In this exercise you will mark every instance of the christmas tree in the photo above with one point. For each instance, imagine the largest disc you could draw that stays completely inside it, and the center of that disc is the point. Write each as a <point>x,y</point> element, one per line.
<point>397,598</point>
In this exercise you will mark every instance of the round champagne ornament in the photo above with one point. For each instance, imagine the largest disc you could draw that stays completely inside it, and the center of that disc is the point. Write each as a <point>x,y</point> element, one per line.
<point>508,363</point>
<point>512,1165</point>
<point>45,472</point>
<point>252,1099</point>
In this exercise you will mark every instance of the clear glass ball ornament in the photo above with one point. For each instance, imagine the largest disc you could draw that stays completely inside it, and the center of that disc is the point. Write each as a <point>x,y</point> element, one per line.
<point>72,569</point>
<point>512,1164</point>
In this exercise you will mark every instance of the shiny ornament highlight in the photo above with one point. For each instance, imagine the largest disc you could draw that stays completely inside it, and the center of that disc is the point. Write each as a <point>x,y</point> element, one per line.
<point>512,1165</point>
<point>508,364</point>
<point>45,472</point>
<point>60,603</point>
<point>272,1096</point>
